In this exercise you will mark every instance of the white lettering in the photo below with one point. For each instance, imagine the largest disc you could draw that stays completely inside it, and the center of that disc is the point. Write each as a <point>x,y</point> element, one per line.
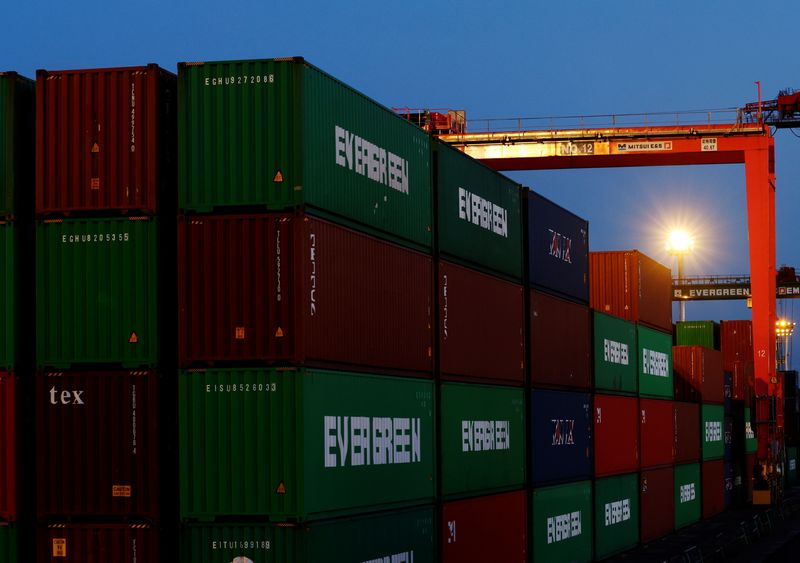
<point>482,213</point>
<point>563,527</point>
<point>615,352</point>
<point>655,363</point>
<point>368,159</point>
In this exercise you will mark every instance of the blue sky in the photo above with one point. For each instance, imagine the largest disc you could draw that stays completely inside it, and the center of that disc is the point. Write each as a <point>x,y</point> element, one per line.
<point>498,59</point>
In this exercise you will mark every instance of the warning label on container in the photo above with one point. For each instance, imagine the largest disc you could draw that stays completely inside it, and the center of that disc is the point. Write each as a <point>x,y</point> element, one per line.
<point>59,547</point>
<point>645,146</point>
<point>123,491</point>
<point>709,144</point>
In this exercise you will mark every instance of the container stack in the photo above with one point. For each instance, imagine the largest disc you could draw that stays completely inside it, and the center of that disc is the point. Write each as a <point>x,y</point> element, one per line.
<point>632,311</point>
<point>17,106</point>
<point>699,379</point>
<point>105,185</point>
<point>481,361</point>
<point>561,419</point>
<point>306,391</point>
<point>736,345</point>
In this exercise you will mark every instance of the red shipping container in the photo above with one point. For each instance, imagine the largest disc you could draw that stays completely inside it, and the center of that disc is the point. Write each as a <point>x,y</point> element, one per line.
<point>687,432</point>
<point>481,327</point>
<point>735,343</point>
<point>97,444</point>
<point>713,488</point>
<point>8,445</point>
<point>632,286</point>
<point>293,288</point>
<point>97,543</point>
<point>657,503</point>
<point>656,432</point>
<point>743,381</point>
<point>105,140</point>
<point>560,342</point>
<point>616,435</point>
<point>488,528</point>
<point>698,374</point>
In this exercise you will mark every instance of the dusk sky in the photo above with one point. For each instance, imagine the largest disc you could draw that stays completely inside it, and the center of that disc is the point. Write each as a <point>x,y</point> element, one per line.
<point>500,59</point>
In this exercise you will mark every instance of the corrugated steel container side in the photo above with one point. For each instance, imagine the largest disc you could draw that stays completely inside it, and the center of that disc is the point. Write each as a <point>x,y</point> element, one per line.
<point>302,445</point>
<point>84,543</point>
<point>697,333</point>
<point>729,485</point>
<point>559,342</point>
<point>487,528</point>
<point>736,343</point>
<point>283,134</point>
<point>632,286</point>
<point>654,350</point>
<point>687,432</point>
<point>616,435</point>
<point>105,140</point>
<point>293,288</point>
<point>483,439</point>
<point>713,474</point>
<point>560,446</point>
<point>750,441</point>
<point>481,327</point>
<point>615,358</point>
<point>743,381</point>
<point>97,441</point>
<point>749,468</point>
<point>17,141</point>
<point>479,221</point>
<point>8,542</point>
<point>8,295</point>
<point>8,447</point>
<point>97,292</point>
<point>561,522</point>
<point>688,494</point>
<point>656,432</point>
<point>657,502</point>
<point>698,374</point>
<point>558,248</point>
<point>616,514</point>
<point>403,535</point>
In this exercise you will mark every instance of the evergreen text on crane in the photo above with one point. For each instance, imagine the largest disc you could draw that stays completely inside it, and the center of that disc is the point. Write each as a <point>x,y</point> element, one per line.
<point>368,159</point>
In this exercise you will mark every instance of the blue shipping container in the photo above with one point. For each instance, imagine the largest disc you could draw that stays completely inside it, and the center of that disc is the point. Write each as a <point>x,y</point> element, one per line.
<point>558,248</point>
<point>727,392</point>
<point>728,438</point>
<point>560,436</point>
<point>728,484</point>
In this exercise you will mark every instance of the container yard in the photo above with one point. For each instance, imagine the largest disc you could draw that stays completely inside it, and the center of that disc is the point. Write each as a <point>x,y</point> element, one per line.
<point>253,315</point>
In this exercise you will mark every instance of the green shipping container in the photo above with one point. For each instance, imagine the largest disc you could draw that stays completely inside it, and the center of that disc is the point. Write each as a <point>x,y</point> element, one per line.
<point>8,295</point>
<point>97,292</point>
<point>303,445</point>
<point>281,133</point>
<point>712,425</point>
<point>404,535</point>
<point>615,358</point>
<point>655,363</point>
<point>616,514</point>
<point>688,495</point>
<point>8,543</point>
<point>17,137</point>
<point>697,333</point>
<point>750,440</point>
<point>483,439</point>
<point>791,466</point>
<point>562,522</point>
<point>479,221</point>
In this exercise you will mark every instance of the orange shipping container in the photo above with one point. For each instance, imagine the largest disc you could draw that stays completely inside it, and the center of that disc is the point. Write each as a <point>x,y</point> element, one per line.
<point>632,286</point>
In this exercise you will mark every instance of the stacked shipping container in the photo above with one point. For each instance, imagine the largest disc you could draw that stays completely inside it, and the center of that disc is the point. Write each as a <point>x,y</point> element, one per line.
<point>631,307</point>
<point>17,105</point>
<point>306,301</point>
<point>105,185</point>
<point>561,411</point>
